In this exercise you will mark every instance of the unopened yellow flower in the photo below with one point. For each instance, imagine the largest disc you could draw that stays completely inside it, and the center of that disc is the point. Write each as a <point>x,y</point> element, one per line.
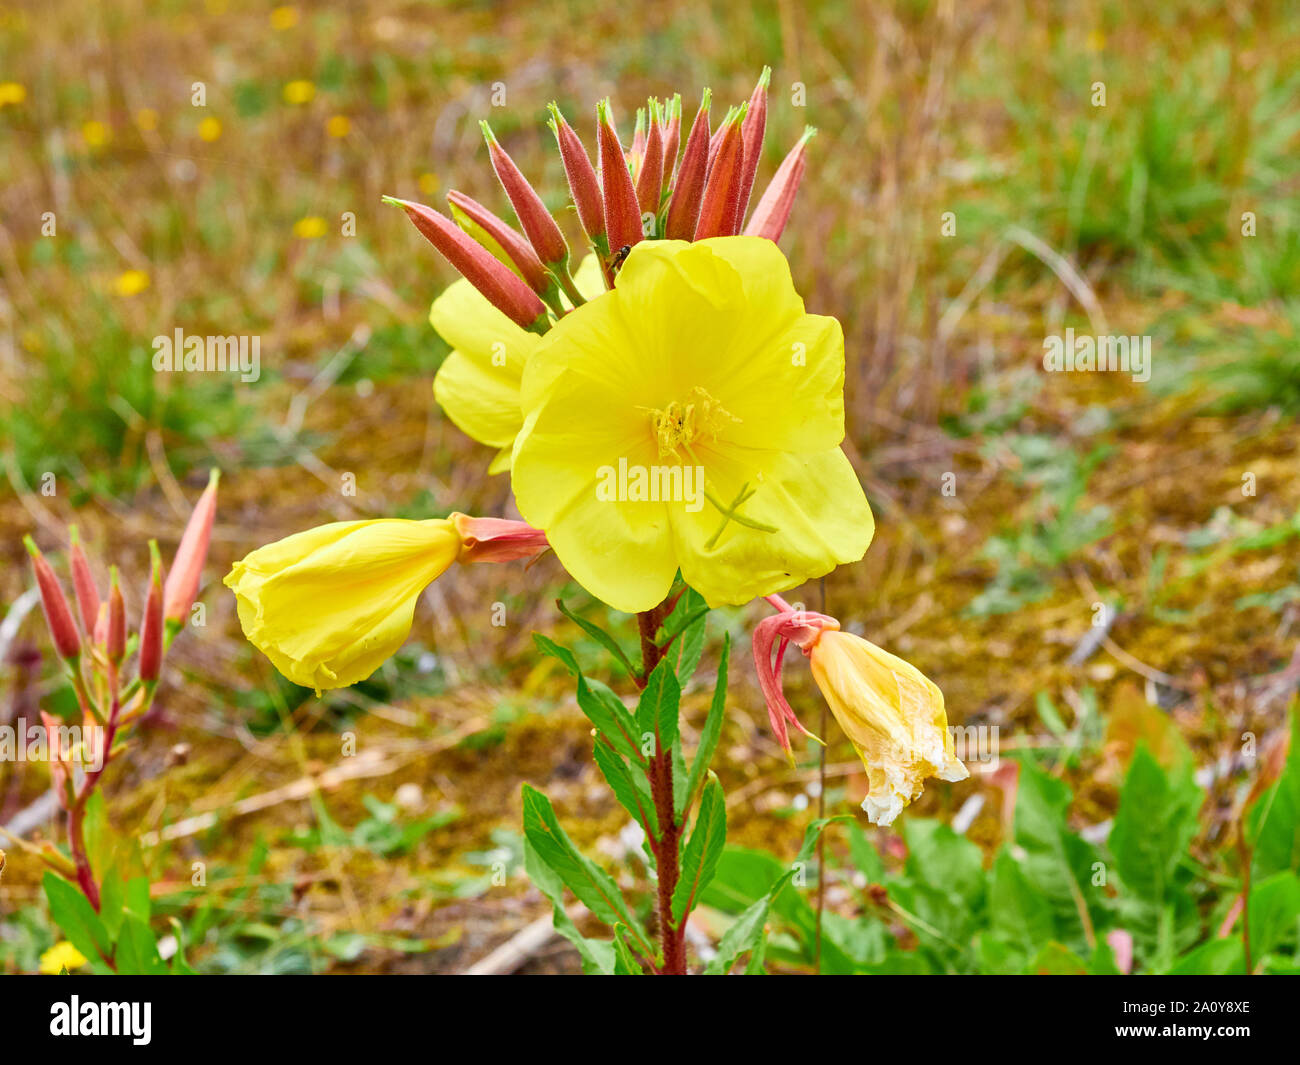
<point>478,383</point>
<point>893,714</point>
<point>691,418</point>
<point>310,228</point>
<point>131,282</point>
<point>329,605</point>
<point>11,92</point>
<point>61,956</point>
<point>299,92</point>
<point>210,129</point>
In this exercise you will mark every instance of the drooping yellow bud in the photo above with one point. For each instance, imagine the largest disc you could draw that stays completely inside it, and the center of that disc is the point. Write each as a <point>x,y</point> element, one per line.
<point>329,605</point>
<point>893,714</point>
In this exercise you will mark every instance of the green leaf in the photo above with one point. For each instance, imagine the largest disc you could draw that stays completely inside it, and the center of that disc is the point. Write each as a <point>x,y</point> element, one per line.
<point>72,912</point>
<point>937,856</point>
<point>1154,825</point>
<point>1217,957</point>
<point>865,856</point>
<point>744,934</point>
<point>1274,911</point>
<point>600,636</point>
<point>686,627</point>
<point>593,887</point>
<point>603,708</point>
<point>137,950</point>
<point>700,857</point>
<point>625,962</point>
<point>597,955</point>
<point>658,709</point>
<point>112,899</point>
<point>1274,820</point>
<point>712,730</point>
<point>1019,915</point>
<point>630,787</point>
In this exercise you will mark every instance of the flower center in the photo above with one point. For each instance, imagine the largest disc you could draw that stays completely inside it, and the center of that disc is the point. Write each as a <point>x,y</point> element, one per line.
<point>677,426</point>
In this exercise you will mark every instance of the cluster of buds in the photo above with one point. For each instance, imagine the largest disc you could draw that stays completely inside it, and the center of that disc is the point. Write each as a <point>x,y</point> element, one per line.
<point>662,187</point>
<point>96,647</point>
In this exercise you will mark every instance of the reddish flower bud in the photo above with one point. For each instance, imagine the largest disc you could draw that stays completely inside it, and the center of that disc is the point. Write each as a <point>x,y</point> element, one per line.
<point>584,186</point>
<point>151,625</point>
<point>540,227</point>
<point>187,566</point>
<point>637,152</point>
<point>721,201</point>
<point>688,189</point>
<point>58,767</point>
<point>115,623</point>
<point>497,539</point>
<point>672,137</point>
<point>100,637</point>
<point>83,582</point>
<point>512,242</point>
<point>650,181</point>
<point>622,213</point>
<point>58,615</point>
<point>752,131</point>
<point>773,210</point>
<point>503,288</point>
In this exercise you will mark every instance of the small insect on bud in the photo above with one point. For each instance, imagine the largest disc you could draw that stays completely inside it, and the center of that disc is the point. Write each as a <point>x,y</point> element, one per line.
<point>151,625</point>
<point>58,615</point>
<point>83,582</point>
<point>622,212</point>
<point>500,285</point>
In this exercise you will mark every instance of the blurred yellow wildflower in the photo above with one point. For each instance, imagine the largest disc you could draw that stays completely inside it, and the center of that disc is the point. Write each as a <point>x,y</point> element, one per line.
<point>310,228</point>
<point>146,119</point>
<point>61,956</point>
<point>329,605</point>
<point>284,17</point>
<point>131,283</point>
<point>210,129</point>
<point>894,715</point>
<point>691,419</point>
<point>338,126</point>
<point>95,133</point>
<point>299,92</point>
<point>429,183</point>
<point>12,93</point>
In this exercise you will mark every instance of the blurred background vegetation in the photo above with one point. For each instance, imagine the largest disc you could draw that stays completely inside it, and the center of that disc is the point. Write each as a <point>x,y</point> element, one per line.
<point>1173,210</point>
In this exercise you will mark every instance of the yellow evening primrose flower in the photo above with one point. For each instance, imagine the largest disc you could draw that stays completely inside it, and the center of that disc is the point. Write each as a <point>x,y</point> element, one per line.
<point>284,17</point>
<point>59,957</point>
<point>12,92</point>
<point>147,119</point>
<point>95,133</point>
<point>338,126</point>
<point>691,418</point>
<point>329,605</point>
<point>210,129</point>
<point>894,715</point>
<point>478,383</point>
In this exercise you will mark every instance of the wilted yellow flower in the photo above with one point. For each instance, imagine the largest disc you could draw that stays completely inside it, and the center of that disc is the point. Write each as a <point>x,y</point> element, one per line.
<point>284,17</point>
<point>329,605</point>
<point>11,92</point>
<point>310,228</point>
<point>61,956</point>
<point>95,133</point>
<point>338,126</point>
<point>147,119</point>
<point>893,714</point>
<point>131,282</point>
<point>691,419</point>
<point>210,129</point>
<point>478,383</point>
<point>299,92</point>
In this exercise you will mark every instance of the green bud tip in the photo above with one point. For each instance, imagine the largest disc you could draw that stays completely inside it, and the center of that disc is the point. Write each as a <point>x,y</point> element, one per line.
<point>32,549</point>
<point>214,475</point>
<point>488,135</point>
<point>706,99</point>
<point>112,578</point>
<point>809,132</point>
<point>155,560</point>
<point>765,78</point>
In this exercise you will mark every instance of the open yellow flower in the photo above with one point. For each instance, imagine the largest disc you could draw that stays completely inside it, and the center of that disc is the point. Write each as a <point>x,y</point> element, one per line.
<point>691,418</point>
<point>893,714</point>
<point>329,605</point>
<point>478,383</point>
<point>61,956</point>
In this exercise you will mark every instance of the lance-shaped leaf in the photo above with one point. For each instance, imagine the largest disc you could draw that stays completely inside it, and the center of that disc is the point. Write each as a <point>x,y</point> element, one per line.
<point>657,712</point>
<point>629,785</point>
<point>603,708</point>
<point>712,730</point>
<point>700,857</point>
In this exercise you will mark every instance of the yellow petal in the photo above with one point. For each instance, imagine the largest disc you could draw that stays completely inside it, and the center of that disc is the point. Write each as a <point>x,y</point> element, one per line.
<point>894,716</point>
<point>329,605</point>
<point>61,956</point>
